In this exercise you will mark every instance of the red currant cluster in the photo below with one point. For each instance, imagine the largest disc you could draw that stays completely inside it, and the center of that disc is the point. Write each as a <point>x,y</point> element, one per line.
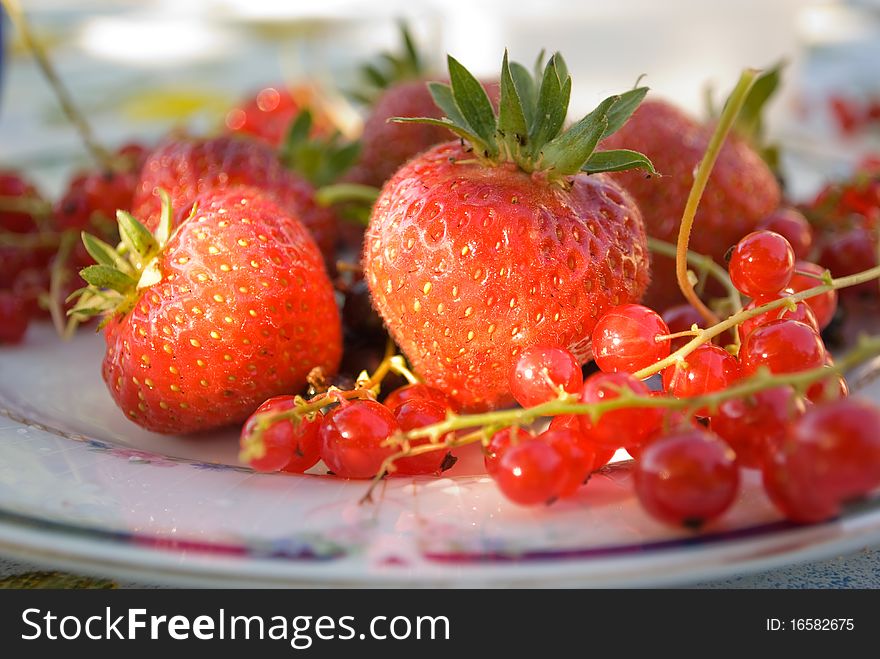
<point>771,401</point>
<point>40,249</point>
<point>853,115</point>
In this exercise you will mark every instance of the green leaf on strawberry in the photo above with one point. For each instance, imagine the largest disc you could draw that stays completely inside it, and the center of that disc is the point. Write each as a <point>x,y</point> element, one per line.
<point>528,129</point>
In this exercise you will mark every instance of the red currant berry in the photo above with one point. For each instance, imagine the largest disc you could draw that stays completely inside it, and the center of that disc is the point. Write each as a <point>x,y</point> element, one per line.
<point>782,346</point>
<point>284,445</point>
<point>602,454</point>
<point>577,454</point>
<point>801,312</point>
<point>352,438</point>
<point>707,369</point>
<point>788,484</point>
<point>762,263</point>
<point>850,252</point>
<point>540,371</point>
<point>794,227</point>
<point>530,473</point>
<point>412,391</point>
<point>828,389</point>
<point>750,425</point>
<point>625,339</point>
<point>617,428</point>
<point>418,413</point>
<point>681,318</point>
<point>500,442</point>
<point>687,478</point>
<point>841,442</point>
<point>823,305</point>
<point>14,317</point>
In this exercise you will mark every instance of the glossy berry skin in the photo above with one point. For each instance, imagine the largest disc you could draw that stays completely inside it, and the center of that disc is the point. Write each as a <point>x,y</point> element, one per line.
<point>752,424</point>
<point>687,478</point>
<point>782,346</point>
<point>352,437</point>
<point>617,428</point>
<point>15,260</point>
<point>625,339</point>
<point>831,455</point>
<point>418,413</point>
<point>823,305</point>
<point>829,389</point>
<point>707,369</point>
<point>505,261</point>
<point>842,439</point>
<point>578,456</point>
<point>794,227</point>
<point>802,313</point>
<point>235,319</point>
<point>286,445</point>
<point>531,473</point>
<point>681,318</point>
<point>601,455</point>
<point>740,193</point>
<point>500,442</point>
<point>762,263</point>
<point>188,167</point>
<point>416,391</point>
<point>538,364</point>
<point>14,318</point>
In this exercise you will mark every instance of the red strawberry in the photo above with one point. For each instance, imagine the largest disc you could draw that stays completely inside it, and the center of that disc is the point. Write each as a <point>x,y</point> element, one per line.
<point>741,192</point>
<point>268,114</point>
<point>187,167</point>
<point>235,308</point>
<point>476,253</point>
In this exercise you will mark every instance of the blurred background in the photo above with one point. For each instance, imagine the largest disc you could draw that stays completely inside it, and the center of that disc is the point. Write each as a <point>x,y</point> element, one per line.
<point>139,68</point>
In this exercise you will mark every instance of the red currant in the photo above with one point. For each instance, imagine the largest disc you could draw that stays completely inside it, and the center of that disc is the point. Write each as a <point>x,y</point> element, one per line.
<point>794,227</point>
<point>286,444</point>
<point>823,305</point>
<point>625,339</point>
<point>352,438</point>
<point>828,389</point>
<point>749,425</point>
<point>782,346</point>
<point>707,369</point>
<point>762,263</point>
<point>418,413</point>
<point>602,454</point>
<point>801,312</point>
<point>850,252</point>
<point>540,371</point>
<point>412,391</point>
<point>500,442</point>
<point>681,318</point>
<point>687,478</point>
<point>617,428</point>
<point>530,473</point>
<point>577,454</point>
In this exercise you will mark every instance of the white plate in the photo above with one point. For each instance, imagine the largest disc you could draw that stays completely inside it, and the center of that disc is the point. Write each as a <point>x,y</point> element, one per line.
<point>83,488</point>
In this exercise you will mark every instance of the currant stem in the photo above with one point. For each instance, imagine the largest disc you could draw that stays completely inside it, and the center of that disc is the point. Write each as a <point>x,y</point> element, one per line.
<point>98,152</point>
<point>709,333</point>
<point>701,178</point>
<point>677,335</point>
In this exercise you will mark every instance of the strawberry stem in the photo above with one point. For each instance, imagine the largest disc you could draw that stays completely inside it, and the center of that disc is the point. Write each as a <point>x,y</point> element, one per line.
<point>701,178</point>
<point>65,100</point>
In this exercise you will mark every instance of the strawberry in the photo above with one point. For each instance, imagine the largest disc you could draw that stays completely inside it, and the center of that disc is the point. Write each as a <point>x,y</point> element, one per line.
<point>399,90</point>
<point>741,191</point>
<point>187,167</point>
<point>267,115</point>
<point>474,253</point>
<point>234,308</point>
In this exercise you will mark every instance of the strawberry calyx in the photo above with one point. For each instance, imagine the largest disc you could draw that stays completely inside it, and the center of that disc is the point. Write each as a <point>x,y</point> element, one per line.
<point>528,129</point>
<point>120,273</point>
<point>321,160</point>
<point>391,68</point>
